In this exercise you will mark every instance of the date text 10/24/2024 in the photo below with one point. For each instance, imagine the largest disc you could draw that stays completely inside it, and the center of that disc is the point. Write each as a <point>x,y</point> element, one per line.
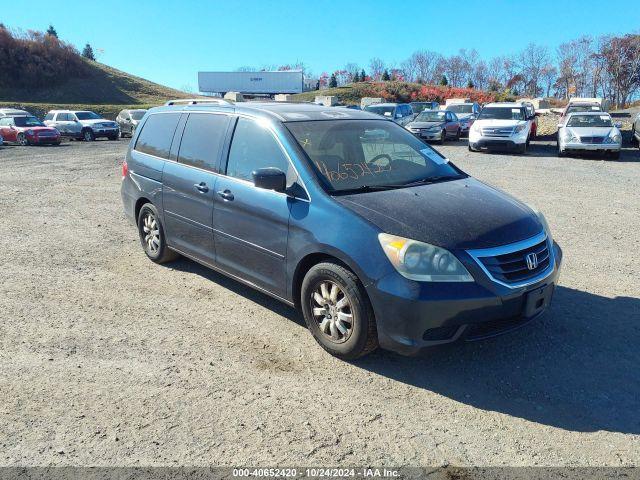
<point>316,472</point>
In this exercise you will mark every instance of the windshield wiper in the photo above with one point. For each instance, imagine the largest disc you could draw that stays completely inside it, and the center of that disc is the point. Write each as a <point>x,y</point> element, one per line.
<point>391,186</point>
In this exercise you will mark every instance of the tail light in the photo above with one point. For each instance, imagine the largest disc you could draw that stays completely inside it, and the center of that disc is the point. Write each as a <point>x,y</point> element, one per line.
<point>125,169</point>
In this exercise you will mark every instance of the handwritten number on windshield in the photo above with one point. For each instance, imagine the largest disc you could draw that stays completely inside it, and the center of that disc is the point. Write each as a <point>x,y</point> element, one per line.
<point>351,170</point>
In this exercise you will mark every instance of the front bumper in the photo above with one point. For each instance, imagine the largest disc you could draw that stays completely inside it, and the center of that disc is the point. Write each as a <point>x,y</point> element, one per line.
<point>412,315</point>
<point>591,147</point>
<point>428,135</point>
<point>105,132</point>
<point>37,140</point>
<point>506,143</point>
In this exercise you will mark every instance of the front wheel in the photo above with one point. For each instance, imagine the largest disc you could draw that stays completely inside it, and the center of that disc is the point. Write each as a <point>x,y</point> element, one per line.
<point>458,135</point>
<point>337,311</point>
<point>443,136</point>
<point>614,155</point>
<point>152,237</point>
<point>88,135</point>
<point>22,139</point>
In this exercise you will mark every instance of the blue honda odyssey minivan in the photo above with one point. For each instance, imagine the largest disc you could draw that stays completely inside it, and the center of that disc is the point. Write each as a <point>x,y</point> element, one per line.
<point>376,237</point>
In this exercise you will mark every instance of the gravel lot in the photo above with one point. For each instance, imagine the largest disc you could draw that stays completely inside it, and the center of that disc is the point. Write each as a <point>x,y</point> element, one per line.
<point>109,359</point>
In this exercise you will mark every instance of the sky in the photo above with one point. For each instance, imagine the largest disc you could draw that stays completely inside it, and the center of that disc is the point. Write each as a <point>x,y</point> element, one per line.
<point>169,41</point>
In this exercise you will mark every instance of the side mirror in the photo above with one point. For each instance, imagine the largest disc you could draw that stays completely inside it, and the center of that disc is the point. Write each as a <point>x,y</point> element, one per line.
<point>270,179</point>
<point>618,125</point>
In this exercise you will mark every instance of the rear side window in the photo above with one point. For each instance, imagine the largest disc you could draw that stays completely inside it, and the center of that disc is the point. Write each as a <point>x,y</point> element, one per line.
<point>157,133</point>
<point>48,116</point>
<point>253,147</point>
<point>202,140</point>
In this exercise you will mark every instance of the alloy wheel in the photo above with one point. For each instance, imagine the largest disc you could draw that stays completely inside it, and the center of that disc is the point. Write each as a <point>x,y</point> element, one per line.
<point>22,140</point>
<point>151,233</point>
<point>332,311</point>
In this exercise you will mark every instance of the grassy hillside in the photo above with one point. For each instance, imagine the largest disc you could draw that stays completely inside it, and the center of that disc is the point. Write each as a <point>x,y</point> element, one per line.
<point>100,85</point>
<point>395,91</point>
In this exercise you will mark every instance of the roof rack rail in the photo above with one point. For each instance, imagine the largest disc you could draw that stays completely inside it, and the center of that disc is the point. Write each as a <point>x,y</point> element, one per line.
<point>195,101</point>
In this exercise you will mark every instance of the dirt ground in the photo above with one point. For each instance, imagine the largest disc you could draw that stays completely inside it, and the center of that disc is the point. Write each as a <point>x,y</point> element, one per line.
<point>109,359</point>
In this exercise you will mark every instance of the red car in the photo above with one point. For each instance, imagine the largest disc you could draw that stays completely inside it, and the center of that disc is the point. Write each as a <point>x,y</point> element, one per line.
<point>27,130</point>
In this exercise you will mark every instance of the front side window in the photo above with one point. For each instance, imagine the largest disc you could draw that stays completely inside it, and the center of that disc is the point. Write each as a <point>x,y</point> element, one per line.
<point>368,154</point>
<point>87,116</point>
<point>48,116</point>
<point>157,133</point>
<point>202,140</point>
<point>253,147</point>
<point>502,113</point>
<point>589,121</point>
<point>138,114</point>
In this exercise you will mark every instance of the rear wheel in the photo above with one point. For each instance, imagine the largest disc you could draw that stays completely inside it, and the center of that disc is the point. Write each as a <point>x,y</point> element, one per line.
<point>337,311</point>
<point>152,237</point>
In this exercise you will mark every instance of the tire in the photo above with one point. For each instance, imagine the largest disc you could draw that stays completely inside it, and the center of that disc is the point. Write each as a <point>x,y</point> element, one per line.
<point>88,135</point>
<point>561,153</point>
<point>634,140</point>
<point>22,139</point>
<point>614,155</point>
<point>458,135</point>
<point>443,137</point>
<point>355,334</point>
<point>523,148</point>
<point>470,149</point>
<point>152,237</point>
<point>114,137</point>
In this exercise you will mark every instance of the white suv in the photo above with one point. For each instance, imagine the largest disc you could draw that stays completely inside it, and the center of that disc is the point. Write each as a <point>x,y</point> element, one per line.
<point>502,125</point>
<point>82,124</point>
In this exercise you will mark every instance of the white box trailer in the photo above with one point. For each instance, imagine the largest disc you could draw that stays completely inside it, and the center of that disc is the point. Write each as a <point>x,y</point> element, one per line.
<point>604,103</point>
<point>269,83</point>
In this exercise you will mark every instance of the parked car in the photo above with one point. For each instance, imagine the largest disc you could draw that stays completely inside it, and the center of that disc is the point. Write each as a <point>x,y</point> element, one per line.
<point>128,120</point>
<point>635,130</point>
<point>579,107</point>
<point>501,125</point>
<point>372,233</point>
<point>435,125</point>
<point>589,131</point>
<point>27,130</point>
<point>13,112</point>
<point>531,112</point>
<point>82,125</point>
<point>466,113</point>
<point>401,113</point>
<point>1,141</point>
<point>421,106</point>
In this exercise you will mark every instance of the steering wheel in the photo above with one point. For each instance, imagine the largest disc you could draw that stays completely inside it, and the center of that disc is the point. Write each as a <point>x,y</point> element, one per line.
<point>381,157</point>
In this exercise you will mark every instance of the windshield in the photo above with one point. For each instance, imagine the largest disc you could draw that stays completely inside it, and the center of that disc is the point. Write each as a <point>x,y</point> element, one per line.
<point>386,111</point>
<point>461,108</point>
<point>583,108</point>
<point>365,154</point>
<point>502,113</point>
<point>431,116</point>
<point>589,121</point>
<point>137,114</point>
<point>420,107</point>
<point>27,122</point>
<point>87,116</point>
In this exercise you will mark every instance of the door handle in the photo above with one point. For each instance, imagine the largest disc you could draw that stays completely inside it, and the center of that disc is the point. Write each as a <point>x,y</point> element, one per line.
<point>226,194</point>
<point>201,187</point>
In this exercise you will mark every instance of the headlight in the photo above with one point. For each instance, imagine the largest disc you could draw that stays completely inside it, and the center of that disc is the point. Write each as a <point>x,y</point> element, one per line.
<point>519,128</point>
<point>422,262</point>
<point>568,136</point>
<point>616,138</point>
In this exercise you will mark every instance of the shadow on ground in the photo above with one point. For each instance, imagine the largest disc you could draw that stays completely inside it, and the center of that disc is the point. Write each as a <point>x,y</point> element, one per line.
<point>575,368</point>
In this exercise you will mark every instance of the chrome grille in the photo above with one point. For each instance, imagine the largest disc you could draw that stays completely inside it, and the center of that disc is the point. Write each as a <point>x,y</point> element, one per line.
<point>508,265</point>
<point>497,131</point>
<point>592,139</point>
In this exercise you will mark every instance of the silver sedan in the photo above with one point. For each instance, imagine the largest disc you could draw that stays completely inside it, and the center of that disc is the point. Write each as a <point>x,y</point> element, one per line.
<point>589,131</point>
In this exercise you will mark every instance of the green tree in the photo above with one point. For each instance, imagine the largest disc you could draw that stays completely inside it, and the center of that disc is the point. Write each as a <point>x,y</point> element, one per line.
<point>356,77</point>
<point>443,81</point>
<point>87,52</point>
<point>333,81</point>
<point>52,31</point>
<point>363,76</point>
<point>470,84</point>
<point>385,76</point>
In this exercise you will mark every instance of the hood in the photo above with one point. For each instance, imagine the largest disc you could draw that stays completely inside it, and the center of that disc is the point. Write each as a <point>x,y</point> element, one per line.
<point>459,214</point>
<point>593,131</point>
<point>498,123</point>
<point>37,129</point>
<point>93,122</point>
<point>425,124</point>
